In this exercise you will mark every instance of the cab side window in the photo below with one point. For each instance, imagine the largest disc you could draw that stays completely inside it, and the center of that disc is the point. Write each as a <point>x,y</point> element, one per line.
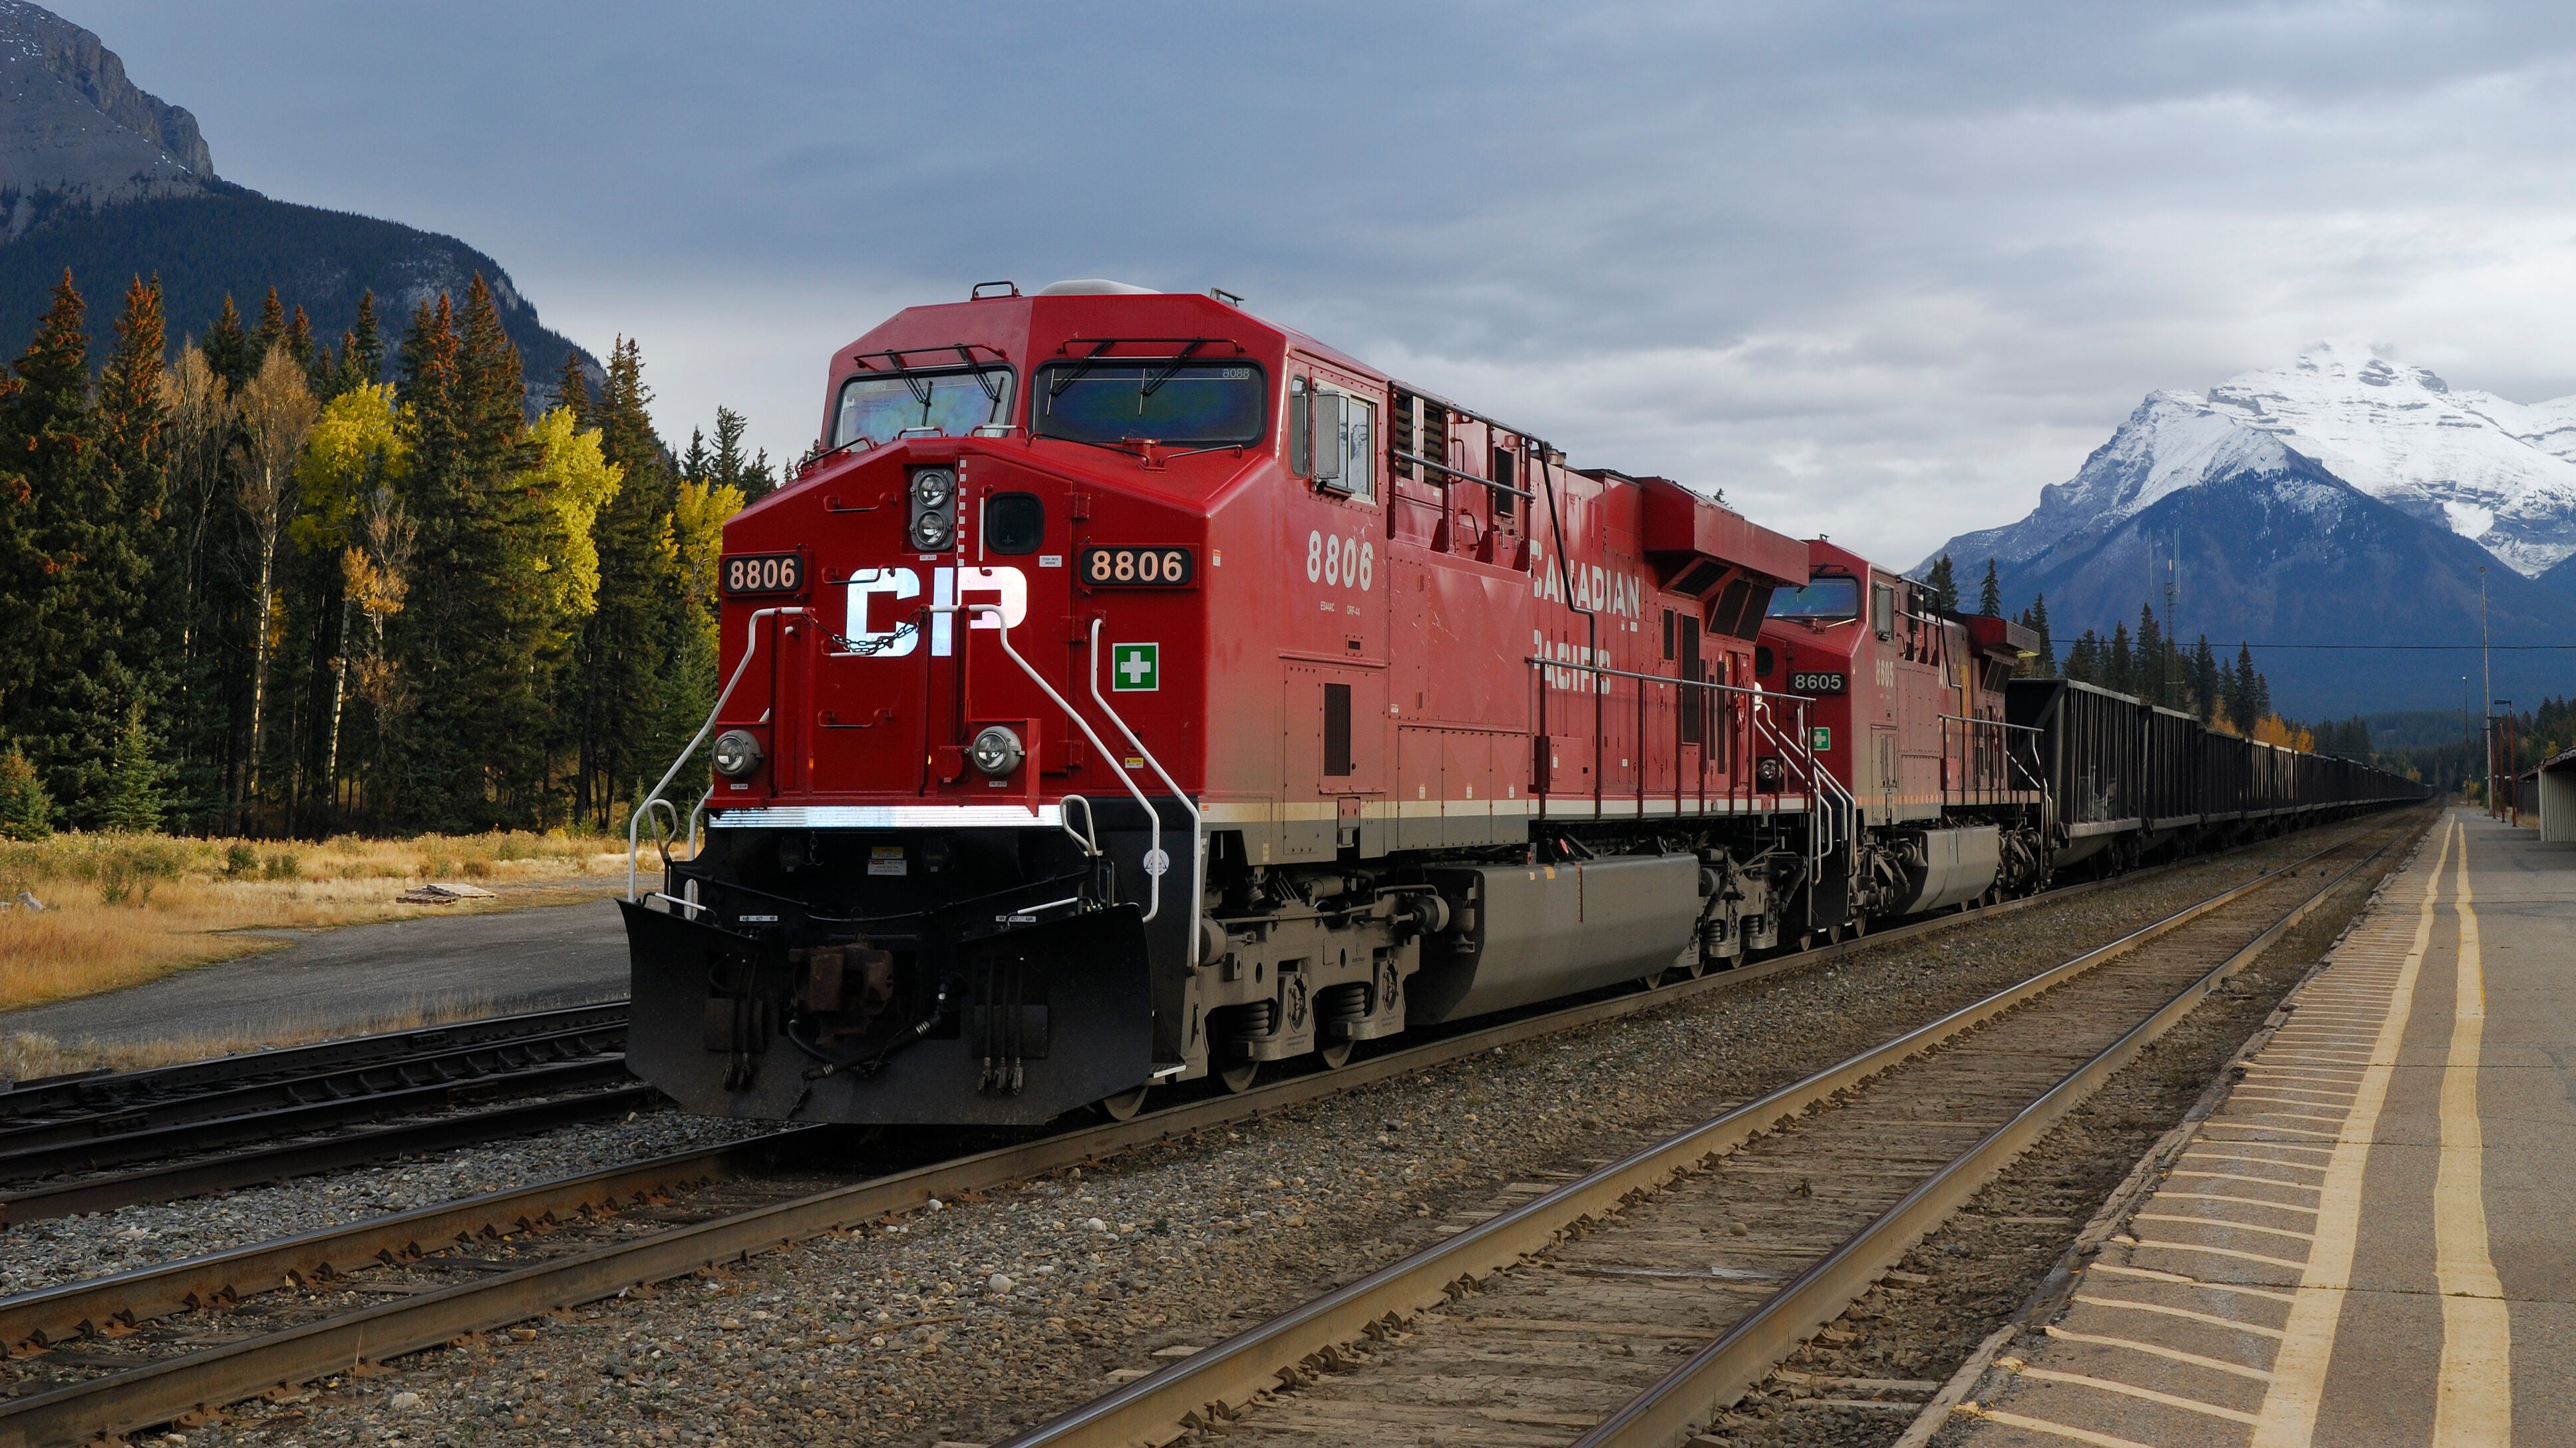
<point>1332,438</point>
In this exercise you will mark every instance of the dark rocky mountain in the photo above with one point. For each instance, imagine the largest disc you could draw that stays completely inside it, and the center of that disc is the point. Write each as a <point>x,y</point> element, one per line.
<point>110,182</point>
<point>236,242</point>
<point>75,133</point>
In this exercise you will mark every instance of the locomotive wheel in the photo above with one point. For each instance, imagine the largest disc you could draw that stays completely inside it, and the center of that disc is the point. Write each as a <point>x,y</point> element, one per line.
<point>1698,966</point>
<point>1334,1056</point>
<point>1124,1105</point>
<point>1833,935</point>
<point>1860,926</point>
<point>1238,1079</point>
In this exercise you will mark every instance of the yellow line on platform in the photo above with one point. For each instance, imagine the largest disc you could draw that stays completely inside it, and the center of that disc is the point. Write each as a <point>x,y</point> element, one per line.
<point>2473,1401</point>
<point>2289,1415</point>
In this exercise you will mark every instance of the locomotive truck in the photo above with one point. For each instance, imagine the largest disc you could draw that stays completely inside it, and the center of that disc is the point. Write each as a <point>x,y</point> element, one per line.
<point>1137,691</point>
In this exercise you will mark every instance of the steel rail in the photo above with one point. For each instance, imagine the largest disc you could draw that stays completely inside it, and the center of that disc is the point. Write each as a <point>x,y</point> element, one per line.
<point>481,1063</point>
<point>1204,1385</point>
<point>115,1090</point>
<point>51,1316</point>
<point>234,1170</point>
<point>93,1152</point>
<point>215,1377</point>
<point>1718,1375</point>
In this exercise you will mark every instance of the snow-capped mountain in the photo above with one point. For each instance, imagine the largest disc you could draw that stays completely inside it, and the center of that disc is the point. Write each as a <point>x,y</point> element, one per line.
<point>2500,473</point>
<point>2322,515</point>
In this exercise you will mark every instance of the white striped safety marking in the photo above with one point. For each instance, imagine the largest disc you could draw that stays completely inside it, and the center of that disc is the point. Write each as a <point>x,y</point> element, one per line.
<point>2329,1067</point>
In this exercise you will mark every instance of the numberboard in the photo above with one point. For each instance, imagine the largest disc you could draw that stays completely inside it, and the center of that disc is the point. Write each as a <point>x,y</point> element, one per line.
<point>764,573</point>
<point>1819,683</point>
<point>1119,567</point>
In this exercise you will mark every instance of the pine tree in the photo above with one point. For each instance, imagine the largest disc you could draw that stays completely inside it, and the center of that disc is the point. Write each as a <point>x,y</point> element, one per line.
<point>752,478</point>
<point>26,815</point>
<point>2205,688</point>
<point>228,347</point>
<point>1990,594</point>
<point>134,800</point>
<point>272,330</point>
<point>2035,618</point>
<point>2153,675</point>
<point>1944,585</point>
<point>465,629</point>
<point>620,699</point>
<point>572,393</point>
<point>2084,660</point>
<point>2119,665</point>
<point>299,338</point>
<point>365,349</point>
<point>49,438</point>
<point>2242,712</point>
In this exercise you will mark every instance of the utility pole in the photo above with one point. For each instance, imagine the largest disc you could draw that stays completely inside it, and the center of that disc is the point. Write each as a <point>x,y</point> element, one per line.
<point>2486,664</point>
<point>2173,587</point>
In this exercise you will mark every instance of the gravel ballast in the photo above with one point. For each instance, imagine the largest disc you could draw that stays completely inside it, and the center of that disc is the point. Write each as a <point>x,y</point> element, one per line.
<point>961,1322</point>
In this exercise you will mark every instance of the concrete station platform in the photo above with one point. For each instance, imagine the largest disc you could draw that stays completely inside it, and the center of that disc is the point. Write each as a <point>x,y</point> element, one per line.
<point>2372,1242</point>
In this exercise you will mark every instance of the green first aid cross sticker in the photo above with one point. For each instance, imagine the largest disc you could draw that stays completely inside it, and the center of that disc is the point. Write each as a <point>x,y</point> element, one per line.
<point>1135,668</point>
<point>1824,738</point>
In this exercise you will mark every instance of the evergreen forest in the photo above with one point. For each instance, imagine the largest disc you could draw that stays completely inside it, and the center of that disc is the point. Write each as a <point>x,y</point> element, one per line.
<point>263,583</point>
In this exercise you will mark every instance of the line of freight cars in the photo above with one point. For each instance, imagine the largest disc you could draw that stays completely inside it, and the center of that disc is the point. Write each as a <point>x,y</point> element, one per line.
<point>2132,780</point>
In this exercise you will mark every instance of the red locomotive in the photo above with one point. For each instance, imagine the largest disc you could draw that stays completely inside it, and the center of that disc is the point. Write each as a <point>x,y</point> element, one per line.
<point>1138,691</point>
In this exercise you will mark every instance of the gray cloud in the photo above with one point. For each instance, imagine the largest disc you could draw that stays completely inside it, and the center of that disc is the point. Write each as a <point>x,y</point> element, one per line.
<point>1879,271</point>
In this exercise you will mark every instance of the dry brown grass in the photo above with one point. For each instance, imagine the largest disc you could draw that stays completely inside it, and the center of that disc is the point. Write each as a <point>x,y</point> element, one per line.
<point>28,1055</point>
<point>125,909</point>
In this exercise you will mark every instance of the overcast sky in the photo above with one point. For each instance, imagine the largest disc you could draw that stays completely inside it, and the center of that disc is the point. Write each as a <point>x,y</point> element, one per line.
<point>1879,271</point>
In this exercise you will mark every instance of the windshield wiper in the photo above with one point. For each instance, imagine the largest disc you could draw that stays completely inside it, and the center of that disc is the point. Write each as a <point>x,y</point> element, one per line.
<point>1073,374</point>
<point>1156,382</point>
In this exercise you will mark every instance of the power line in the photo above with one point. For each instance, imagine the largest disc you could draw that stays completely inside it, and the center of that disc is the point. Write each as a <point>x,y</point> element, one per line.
<point>2407,647</point>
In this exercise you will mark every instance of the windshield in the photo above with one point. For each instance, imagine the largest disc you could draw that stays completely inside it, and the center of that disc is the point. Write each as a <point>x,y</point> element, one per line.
<point>1826,600</point>
<point>876,406</point>
<point>1201,403</point>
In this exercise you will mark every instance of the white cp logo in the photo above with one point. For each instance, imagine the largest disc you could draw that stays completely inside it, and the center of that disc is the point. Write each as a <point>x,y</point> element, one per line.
<point>1006,587</point>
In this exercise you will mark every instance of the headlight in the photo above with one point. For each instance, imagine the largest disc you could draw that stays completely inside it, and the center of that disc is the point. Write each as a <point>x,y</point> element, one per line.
<point>934,487</point>
<point>930,532</point>
<point>996,751</point>
<point>737,754</point>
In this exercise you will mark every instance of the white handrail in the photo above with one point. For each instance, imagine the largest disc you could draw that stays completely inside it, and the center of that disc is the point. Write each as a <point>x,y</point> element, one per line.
<point>1198,822</point>
<point>750,648</point>
<point>1154,888</point>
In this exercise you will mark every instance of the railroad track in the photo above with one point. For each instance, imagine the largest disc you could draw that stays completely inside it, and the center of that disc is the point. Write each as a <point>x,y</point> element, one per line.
<point>203,1127</point>
<point>121,1353</point>
<point>1630,1305</point>
<point>92,1093</point>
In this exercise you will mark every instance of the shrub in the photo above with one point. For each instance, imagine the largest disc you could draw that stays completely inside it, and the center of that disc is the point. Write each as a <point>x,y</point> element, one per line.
<point>25,813</point>
<point>127,872</point>
<point>240,859</point>
<point>282,866</point>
